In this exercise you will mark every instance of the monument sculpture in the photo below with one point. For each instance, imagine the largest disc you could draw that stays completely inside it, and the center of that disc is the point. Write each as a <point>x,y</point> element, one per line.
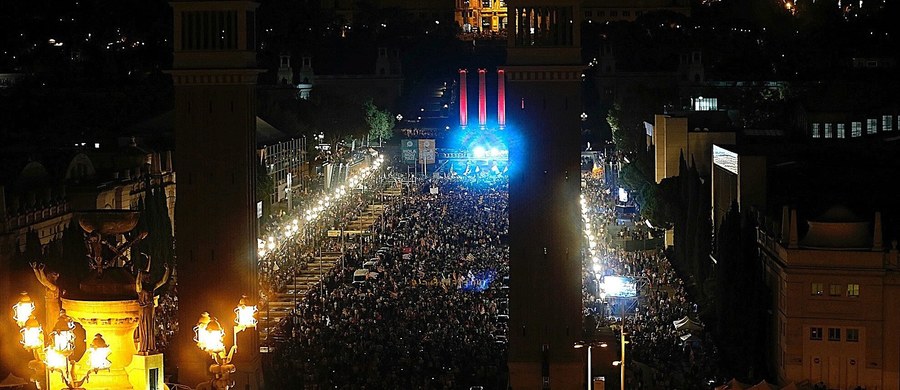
<point>112,301</point>
<point>146,297</point>
<point>51,290</point>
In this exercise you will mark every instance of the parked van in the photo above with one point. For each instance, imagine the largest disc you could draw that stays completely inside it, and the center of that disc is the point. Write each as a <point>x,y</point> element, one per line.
<point>359,276</point>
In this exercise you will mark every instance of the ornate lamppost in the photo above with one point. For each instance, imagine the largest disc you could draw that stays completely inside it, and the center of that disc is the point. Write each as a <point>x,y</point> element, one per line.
<point>55,354</point>
<point>210,337</point>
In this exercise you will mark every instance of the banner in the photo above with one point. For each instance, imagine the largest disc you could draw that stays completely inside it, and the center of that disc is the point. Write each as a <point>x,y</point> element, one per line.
<point>409,151</point>
<point>426,151</point>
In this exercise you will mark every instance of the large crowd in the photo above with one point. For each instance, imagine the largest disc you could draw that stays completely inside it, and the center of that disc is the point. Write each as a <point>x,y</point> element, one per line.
<point>428,314</point>
<point>663,360</point>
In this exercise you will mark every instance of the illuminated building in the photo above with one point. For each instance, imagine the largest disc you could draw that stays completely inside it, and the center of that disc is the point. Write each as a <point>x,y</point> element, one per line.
<point>481,15</point>
<point>689,135</point>
<point>830,273</point>
<point>834,292</point>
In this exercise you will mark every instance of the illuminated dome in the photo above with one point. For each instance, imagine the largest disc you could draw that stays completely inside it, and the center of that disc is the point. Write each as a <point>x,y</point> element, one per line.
<point>838,229</point>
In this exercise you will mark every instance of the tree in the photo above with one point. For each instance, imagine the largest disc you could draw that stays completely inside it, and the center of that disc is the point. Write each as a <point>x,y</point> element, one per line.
<point>74,264</point>
<point>381,122</point>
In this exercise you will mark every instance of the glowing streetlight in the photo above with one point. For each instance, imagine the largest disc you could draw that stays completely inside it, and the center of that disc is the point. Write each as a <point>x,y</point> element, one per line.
<point>99,354</point>
<point>210,338</point>
<point>62,338</point>
<point>214,337</point>
<point>56,355</point>
<point>245,315</point>
<point>32,334</point>
<point>23,309</point>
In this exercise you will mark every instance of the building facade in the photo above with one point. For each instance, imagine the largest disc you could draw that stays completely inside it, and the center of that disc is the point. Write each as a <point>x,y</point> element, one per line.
<point>691,136</point>
<point>481,15</point>
<point>834,294</point>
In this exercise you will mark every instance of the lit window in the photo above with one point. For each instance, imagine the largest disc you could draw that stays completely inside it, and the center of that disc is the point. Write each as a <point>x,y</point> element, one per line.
<point>834,334</point>
<point>871,126</point>
<point>853,335</point>
<point>817,289</point>
<point>835,290</point>
<point>841,132</point>
<point>815,333</point>
<point>855,129</point>
<point>816,131</point>
<point>886,123</point>
<point>852,290</point>
<point>828,130</point>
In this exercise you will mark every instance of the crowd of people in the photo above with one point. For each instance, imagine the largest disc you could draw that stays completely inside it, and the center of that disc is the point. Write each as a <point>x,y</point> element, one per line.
<point>428,314</point>
<point>663,359</point>
<point>291,251</point>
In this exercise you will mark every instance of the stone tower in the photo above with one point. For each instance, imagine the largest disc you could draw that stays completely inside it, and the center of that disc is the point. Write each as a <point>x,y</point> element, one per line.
<point>285,72</point>
<point>543,100</point>
<point>214,74</point>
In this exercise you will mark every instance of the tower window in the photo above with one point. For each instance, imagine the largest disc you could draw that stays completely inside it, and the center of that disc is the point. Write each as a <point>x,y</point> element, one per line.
<point>815,333</point>
<point>871,126</point>
<point>835,290</point>
<point>834,334</point>
<point>817,289</point>
<point>209,30</point>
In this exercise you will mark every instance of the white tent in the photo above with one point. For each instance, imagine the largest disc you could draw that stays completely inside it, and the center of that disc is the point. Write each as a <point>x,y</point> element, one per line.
<point>687,324</point>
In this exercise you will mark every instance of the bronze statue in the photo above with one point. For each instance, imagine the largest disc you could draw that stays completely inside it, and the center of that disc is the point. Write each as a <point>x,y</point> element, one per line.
<point>146,292</point>
<point>96,244</point>
<point>51,290</point>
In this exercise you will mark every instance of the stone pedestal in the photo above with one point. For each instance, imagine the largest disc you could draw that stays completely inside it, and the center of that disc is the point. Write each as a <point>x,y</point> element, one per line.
<point>116,321</point>
<point>146,372</point>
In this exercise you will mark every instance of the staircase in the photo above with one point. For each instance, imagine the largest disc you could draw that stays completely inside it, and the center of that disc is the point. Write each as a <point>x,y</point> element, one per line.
<point>309,276</point>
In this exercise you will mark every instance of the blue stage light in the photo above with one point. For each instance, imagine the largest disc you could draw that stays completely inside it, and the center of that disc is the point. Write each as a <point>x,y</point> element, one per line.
<point>479,152</point>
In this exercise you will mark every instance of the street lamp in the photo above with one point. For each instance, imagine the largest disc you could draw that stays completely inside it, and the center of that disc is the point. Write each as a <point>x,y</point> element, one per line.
<point>589,345</point>
<point>23,309</point>
<point>56,353</point>
<point>210,338</point>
